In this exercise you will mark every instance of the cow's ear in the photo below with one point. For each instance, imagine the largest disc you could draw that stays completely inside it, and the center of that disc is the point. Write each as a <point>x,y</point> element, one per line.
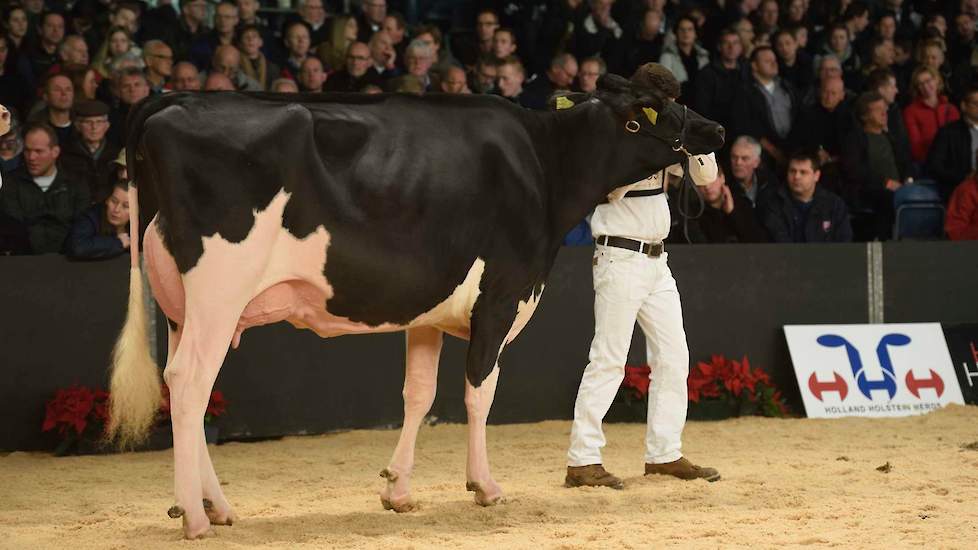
<point>565,100</point>
<point>649,107</point>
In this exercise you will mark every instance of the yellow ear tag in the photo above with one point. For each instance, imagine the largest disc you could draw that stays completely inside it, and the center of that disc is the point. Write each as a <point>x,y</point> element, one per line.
<point>564,103</point>
<point>651,114</point>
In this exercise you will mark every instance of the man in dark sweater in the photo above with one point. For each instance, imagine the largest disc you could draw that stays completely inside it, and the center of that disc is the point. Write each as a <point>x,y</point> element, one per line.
<point>728,217</point>
<point>717,83</point>
<point>803,212</point>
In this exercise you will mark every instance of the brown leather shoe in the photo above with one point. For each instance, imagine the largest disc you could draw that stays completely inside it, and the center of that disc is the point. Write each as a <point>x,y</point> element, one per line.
<point>683,469</point>
<point>592,475</point>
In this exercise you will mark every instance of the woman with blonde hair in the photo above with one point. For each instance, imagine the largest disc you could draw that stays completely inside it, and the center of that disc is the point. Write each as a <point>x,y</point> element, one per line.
<point>928,112</point>
<point>118,44</point>
<point>342,32</point>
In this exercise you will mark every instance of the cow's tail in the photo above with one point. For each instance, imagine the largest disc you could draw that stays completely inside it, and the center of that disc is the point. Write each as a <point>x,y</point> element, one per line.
<point>135,390</point>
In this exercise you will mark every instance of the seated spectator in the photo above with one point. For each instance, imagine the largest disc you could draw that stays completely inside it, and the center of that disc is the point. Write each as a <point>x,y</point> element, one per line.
<point>598,33</point>
<point>84,82</point>
<point>203,48</point>
<point>794,64</point>
<point>218,82</point>
<point>419,58</point>
<point>102,231</point>
<point>684,57</point>
<point>560,76</point>
<point>453,81</point>
<point>874,165</point>
<point>254,63</point>
<point>356,73</point>
<point>803,212</point>
<point>312,14</point>
<point>118,46</point>
<point>929,111</point>
<point>823,127</point>
<point>470,50</point>
<point>587,77</point>
<point>58,96</point>
<point>130,87</point>
<point>296,37</point>
<point>396,27</point>
<point>179,34</point>
<point>384,56</point>
<point>371,20</point>
<point>510,81</point>
<point>41,51</point>
<point>342,33</point>
<point>767,106</point>
<point>311,75</point>
<point>717,84</point>
<point>284,86</point>
<point>482,80</point>
<point>642,45</point>
<point>15,90</point>
<point>185,77</point>
<point>503,43</point>
<point>431,36</point>
<point>73,51</point>
<point>39,196</point>
<point>961,221</point>
<point>89,156</point>
<point>728,217</point>
<point>884,82</point>
<point>952,155</point>
<point>159,64</point>
<point>750,177</point>
<point>227,60</point>
<point>839,46</point>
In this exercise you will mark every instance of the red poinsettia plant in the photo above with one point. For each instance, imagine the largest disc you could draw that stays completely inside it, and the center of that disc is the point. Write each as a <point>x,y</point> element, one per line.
<point>735,384</point>
<point>747,389</point>
<point>76,412</point>
<point>80,413</point>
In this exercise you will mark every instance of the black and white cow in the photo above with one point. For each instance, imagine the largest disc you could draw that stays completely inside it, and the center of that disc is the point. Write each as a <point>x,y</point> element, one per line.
<point>353,214</point>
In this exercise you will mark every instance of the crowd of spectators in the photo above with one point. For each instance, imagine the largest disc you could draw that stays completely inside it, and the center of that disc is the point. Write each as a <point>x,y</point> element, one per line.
<point>831,108</point>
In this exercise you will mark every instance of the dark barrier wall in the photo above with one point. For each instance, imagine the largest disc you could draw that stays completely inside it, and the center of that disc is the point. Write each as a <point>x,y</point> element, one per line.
<point>60,319</point>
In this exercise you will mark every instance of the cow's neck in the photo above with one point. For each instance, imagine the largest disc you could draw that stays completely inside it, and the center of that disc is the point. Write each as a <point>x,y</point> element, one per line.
<point>589,158</point>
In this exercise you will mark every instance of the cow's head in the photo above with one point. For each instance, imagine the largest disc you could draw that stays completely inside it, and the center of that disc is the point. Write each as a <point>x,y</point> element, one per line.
<point>655,126</point>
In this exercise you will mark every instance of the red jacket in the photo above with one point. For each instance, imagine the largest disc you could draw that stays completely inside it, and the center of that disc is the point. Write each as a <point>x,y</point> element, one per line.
<point>923,122</point>
<point>961,223</point>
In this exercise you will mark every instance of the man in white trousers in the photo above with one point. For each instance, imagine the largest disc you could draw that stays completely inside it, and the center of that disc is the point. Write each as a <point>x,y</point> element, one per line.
<point>632,281</point>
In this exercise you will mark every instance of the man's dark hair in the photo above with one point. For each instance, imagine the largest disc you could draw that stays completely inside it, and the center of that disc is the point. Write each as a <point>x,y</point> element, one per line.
<point>757,51</point>
<point>802,155</point>
<point>657,77</point>
<point>878,77</point>
<point>42,127</point>
<point>864,101</point>
<point>512,33</point>
<point>854,10</point>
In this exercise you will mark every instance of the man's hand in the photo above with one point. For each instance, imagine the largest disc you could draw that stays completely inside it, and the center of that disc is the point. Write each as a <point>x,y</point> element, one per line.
<point>124,239</point>
<point>728,202</point>
<point>391,58</point>
<point>893,185</point>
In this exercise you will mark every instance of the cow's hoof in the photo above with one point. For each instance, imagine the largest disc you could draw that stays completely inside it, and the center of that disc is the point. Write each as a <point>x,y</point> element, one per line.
<point>218,517</point>
<point>399,506</point>
<point>485,496</point>
<point>197,529</point>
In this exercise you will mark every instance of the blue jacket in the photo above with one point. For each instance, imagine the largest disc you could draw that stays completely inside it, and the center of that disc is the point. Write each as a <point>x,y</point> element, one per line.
<point>84,241</point>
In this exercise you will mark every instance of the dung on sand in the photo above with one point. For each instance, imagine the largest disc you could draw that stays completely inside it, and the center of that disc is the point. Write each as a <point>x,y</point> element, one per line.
<point>783,485</point>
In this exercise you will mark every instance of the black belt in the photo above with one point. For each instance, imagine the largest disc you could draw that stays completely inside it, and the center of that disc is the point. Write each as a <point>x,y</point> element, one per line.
<point>652,250</point>
<point>644,193</point>
<point>641,193</point>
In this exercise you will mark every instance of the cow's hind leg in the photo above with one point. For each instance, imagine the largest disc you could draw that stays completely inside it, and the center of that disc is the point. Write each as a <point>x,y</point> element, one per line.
<point>492,319</point>
<point>190,376</point>
<point>420,381</point>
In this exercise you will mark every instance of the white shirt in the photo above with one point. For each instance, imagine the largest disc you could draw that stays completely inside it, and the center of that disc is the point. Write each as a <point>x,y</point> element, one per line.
<point>44,182</point>
<point>647,218</point>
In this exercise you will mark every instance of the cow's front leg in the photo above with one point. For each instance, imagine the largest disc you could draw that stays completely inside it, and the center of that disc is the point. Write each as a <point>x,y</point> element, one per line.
<point>420,381</point>
<point>478,401</point>
<point>492,319</point>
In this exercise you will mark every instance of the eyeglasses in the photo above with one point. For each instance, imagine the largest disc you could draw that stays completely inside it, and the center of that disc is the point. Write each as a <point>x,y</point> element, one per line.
<point>358,57</point>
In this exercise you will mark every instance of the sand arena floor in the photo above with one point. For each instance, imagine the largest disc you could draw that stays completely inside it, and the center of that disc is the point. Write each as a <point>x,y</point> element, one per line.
<point>793,483</point>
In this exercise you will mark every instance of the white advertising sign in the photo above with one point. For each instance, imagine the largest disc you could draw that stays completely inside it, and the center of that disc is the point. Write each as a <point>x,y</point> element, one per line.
<point>872,370</point>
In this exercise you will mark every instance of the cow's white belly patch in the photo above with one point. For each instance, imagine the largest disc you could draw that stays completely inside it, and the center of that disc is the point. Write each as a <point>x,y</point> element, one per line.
<point>285,279</point>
